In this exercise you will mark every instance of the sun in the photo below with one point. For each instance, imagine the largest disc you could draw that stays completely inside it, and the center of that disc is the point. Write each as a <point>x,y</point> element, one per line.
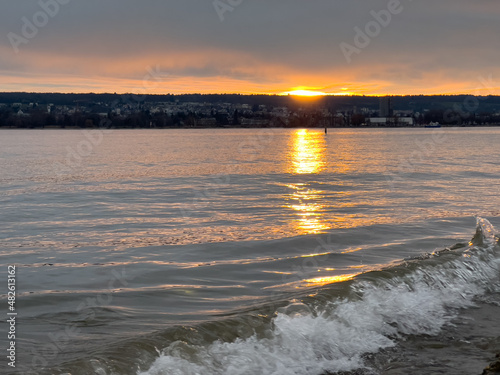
<point>300,91</point>
<point>304,92</point>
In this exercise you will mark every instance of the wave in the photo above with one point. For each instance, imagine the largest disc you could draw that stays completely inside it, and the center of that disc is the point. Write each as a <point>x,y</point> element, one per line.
<point>332,329</point>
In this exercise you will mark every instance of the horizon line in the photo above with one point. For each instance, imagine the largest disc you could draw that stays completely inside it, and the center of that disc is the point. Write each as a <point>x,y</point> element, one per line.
<point>319,95</point>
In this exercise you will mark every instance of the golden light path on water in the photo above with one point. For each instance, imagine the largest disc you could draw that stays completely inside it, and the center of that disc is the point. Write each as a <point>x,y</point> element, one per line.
<point>320,281</point>
<point>308,153</point>
<point>307,156</point>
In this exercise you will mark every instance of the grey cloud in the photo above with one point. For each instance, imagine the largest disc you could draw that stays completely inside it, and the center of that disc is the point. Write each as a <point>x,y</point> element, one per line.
<point>303,35</point>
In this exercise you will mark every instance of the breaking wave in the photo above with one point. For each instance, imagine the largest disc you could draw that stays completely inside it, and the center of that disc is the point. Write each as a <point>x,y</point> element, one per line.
<point>332,330</point>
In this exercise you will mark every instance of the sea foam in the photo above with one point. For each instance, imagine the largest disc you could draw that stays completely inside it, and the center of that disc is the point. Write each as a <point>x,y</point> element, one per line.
<point>418,297</point>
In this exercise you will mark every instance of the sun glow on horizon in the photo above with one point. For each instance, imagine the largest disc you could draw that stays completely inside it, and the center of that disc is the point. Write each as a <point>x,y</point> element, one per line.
<point>302,92</point>
<point>313,93</point>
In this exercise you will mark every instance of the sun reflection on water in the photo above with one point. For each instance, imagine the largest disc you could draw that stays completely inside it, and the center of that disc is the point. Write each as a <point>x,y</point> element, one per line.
<point>308,152</point>
<point>306,203</point>
<point>320,281</point>
<point>307,157</point>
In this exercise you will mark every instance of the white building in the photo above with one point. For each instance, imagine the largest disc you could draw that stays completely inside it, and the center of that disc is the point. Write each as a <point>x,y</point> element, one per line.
<point>404,121</point>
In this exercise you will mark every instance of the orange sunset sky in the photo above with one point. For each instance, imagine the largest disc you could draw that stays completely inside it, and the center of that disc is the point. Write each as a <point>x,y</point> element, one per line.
<point>271,47</point>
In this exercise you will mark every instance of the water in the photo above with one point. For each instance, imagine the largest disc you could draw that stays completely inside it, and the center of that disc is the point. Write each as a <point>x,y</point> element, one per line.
<point>262,251</point>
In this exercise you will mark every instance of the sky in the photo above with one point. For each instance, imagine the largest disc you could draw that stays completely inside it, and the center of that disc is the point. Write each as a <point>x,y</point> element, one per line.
<point>343,47</point>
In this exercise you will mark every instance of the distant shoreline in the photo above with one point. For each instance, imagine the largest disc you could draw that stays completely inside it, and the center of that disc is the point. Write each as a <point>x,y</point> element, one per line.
<point>247,127</point>
<point>31,110</point>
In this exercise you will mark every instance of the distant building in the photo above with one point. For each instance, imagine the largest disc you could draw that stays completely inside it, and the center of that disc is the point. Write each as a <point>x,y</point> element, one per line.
<point>385,107</point>
<point>406,121</point>
<point>391,121</point>
<point>377,120</point>
<point>403,113</point>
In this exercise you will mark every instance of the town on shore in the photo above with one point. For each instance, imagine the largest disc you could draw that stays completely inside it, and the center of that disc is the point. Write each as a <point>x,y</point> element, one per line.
<point>55,110</point>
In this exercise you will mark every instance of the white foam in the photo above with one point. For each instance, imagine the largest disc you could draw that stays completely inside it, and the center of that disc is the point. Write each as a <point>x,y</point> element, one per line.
<point>303,342</point>
<point>299,345</point>
<point>487,231</point>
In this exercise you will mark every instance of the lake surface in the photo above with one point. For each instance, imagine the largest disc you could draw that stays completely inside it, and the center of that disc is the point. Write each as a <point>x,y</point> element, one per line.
<point>252,251</point>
